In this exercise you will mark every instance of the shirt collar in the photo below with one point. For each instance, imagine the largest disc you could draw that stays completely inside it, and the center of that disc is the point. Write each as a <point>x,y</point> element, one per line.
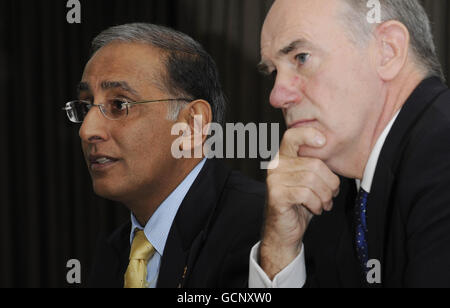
<point>158,227</point>
<point>371,166</point>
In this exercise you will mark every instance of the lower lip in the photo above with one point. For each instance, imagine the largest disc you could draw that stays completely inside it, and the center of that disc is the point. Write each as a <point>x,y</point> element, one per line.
<point>303,123</point>
<point>102,167</point>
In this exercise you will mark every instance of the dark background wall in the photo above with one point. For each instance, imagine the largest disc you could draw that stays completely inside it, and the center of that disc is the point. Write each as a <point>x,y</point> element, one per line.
<point>48,212</point>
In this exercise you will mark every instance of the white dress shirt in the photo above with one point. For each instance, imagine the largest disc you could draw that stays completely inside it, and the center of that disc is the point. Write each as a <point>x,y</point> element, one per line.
<point>294,275</point>
<point>158,227</point>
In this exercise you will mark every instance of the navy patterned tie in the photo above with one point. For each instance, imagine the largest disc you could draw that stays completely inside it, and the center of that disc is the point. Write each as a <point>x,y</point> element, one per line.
<point>361,229</point>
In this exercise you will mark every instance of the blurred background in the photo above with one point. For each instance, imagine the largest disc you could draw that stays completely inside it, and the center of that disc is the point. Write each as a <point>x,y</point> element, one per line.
<point>48,211</point>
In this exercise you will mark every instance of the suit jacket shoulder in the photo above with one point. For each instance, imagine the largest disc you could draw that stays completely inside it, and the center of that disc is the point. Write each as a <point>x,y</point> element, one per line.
<point>420,199</point>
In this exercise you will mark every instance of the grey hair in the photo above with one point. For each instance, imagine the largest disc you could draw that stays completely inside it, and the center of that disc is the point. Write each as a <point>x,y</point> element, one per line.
<point>190,71</point>
<point>410,13</point>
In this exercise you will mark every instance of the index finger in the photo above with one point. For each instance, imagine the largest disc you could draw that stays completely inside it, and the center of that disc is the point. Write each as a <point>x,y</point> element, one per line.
<point>294,138</point>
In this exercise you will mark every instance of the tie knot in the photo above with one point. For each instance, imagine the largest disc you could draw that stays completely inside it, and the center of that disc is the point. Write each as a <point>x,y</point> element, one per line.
<point>141,249</point>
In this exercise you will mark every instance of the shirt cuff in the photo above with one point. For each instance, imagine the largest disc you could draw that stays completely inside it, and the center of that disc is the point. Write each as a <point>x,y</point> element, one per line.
<point>293,276</point>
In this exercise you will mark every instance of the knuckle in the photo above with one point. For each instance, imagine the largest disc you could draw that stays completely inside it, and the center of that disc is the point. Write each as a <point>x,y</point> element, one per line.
<point>297,196</point>
<point>316,206</point>
<point>319,208</point>
<point>327,198</point>
<point>309,178</point>
<point>276,196</point>
<point>310,199</point>
<point>337,182</point>
<point>328,195</point>
<point>316,210</point>
<point>316,164</point>
<point>301,195</point>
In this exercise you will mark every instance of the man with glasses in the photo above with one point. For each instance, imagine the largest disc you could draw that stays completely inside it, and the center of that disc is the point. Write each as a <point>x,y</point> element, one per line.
<point>192,224</point>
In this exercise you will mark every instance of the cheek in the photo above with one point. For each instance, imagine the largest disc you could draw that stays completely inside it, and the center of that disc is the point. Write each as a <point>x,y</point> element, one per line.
<point>338,107</point>
<point>295,83</point>
<point>148,147</point>
<point>324,98</point>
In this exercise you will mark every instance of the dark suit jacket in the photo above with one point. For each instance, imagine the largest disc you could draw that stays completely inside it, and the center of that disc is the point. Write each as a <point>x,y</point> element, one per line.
<point>214,230</point>
<point>408,208</point>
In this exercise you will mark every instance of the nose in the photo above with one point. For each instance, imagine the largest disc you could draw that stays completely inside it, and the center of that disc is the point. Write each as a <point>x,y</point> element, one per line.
<point>285,92</point>
<point>94,127</point>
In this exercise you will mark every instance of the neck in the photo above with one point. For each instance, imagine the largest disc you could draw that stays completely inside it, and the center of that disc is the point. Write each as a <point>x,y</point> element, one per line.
<point>396,94</point>
<point>144,206</point>
<point>396,97</point>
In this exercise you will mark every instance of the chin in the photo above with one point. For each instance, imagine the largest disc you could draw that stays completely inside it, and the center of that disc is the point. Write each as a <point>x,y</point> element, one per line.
<point>108,192</point>
<point>320,154</point>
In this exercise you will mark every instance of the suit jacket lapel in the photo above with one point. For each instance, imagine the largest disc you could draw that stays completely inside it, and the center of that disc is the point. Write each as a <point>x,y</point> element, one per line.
<point>377,209</point>
<point>190,226</point>
<point>173,262</point>
<point>379,199</point>
<point>118,252</point>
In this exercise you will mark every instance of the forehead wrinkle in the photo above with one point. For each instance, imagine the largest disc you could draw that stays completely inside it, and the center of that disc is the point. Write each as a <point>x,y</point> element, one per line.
<point>303,20</point>
<point>284,41</point>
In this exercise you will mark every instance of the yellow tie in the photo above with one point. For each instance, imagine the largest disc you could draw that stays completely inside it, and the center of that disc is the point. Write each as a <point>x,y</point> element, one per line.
<point>141,252</point>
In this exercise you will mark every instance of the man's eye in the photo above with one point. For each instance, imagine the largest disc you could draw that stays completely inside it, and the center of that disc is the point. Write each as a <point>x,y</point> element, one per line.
<point>117,106</point>
<point>302,58</point>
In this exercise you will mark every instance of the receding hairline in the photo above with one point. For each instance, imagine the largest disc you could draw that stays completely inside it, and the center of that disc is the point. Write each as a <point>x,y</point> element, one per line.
<point>185,57</point>
<point>295,42</point>
<point>156,78</point>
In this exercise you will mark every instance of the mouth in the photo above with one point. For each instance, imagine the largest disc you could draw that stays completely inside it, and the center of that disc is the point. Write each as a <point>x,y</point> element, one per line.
<point>301,123</point>
<point>101,162</point>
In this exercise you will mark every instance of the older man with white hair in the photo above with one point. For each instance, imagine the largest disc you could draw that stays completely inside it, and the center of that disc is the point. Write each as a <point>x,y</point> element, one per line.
<point>361,196</point>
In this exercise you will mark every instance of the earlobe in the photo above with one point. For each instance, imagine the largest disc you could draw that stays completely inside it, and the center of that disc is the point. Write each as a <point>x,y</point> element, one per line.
<point>393,45</point>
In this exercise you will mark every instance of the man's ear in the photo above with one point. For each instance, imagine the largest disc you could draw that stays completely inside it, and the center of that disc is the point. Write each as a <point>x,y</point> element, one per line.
<point>392,40</point>
<point>197,115</point>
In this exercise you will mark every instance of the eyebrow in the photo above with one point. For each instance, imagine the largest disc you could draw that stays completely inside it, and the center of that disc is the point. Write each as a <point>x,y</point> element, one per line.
<point>83,87</point>
<point>263,67</point>
<point>107,85</point>
<point>293,46</point>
